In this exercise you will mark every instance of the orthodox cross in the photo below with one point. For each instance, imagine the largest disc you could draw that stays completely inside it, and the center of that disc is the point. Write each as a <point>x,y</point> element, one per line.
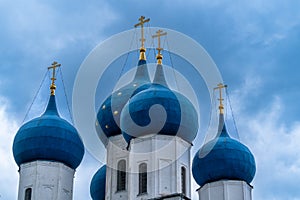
<point>159,48</point>
<point>220,87</point>
<point>141,23</point>
<point>53,67</point>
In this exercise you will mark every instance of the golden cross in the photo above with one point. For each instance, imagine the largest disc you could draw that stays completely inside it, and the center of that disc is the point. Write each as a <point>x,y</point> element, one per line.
<point>52,86</point>
<point>220,87</point>
<point>158,35</point>
<point>142,22</point>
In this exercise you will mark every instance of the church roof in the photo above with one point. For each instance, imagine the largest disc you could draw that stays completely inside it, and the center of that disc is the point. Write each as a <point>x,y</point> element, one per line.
<point>179,114</point>
<point>223,158</point>
<point>97,187</point>
<point>108,116</point>
<point>48,137</point>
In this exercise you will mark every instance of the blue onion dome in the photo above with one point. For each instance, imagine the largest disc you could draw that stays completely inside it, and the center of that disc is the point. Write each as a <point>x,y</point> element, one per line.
<point>97,187</point>
<point>159,110</point>
<point>223,158</point>
<point>50,138</point>
<point>108,116</point>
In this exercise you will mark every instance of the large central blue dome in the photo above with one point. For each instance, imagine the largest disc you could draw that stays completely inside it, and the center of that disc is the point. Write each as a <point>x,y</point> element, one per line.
<point>48,137</point>
<point>223,158</point>
<point>181,116</point>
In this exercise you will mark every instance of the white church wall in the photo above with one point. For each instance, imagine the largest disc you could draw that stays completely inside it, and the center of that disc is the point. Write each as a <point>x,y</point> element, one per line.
<point>225,190</point>
<point>183,152</point>
<point>48,180</point>
<point>164,156</point>
<point>116,151</point>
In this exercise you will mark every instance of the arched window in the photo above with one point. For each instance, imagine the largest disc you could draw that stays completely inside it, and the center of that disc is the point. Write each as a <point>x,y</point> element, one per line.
<point>28,192</point>
<point>121,175</point>
<point>142,178</point>
<point>183,180</point>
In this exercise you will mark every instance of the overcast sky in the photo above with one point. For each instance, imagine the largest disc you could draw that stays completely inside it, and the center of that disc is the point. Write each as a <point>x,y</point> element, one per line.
<point>255,45</point>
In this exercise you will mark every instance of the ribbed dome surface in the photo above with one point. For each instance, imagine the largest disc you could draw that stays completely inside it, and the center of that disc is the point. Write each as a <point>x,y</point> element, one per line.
<point>97,187</point>
<point>223,158</point>
<point>108,116</point>
<point>48,137</point>
<point>180,116</point>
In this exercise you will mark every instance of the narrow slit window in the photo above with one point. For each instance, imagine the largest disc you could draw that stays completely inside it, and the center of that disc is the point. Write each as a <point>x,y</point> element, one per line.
<point>28,193</point>
<point>183,180</point>
<point>142,178</point>
<point>121,175</point>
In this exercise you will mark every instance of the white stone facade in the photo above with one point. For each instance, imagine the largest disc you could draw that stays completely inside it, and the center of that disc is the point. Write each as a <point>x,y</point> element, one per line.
<point>226,190</point>
<point>116,151</point>
<point>46,180</point>
<point>165,156</point>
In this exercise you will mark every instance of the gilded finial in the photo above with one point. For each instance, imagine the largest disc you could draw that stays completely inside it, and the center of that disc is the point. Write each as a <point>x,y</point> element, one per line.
<point>159,56</point>
<point>220,87</point>
<point>142,49</point>
<point>53,67</point>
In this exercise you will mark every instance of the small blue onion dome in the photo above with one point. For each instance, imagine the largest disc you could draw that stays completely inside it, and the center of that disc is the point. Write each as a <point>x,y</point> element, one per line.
<point>48,137</point>
<point>97,187</point>
<point>223,158</point>
<point>178,113</point>
<point>108,116</point>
